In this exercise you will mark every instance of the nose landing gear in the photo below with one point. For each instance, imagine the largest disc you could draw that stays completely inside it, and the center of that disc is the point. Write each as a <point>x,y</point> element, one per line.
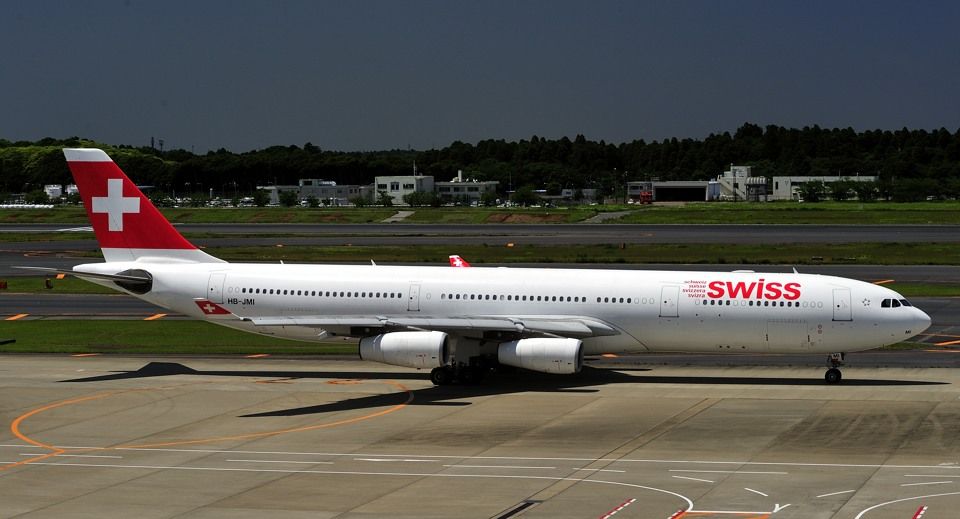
<point>833,375</point>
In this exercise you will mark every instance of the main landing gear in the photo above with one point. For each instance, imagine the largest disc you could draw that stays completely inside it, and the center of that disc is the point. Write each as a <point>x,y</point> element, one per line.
<point>833,375</point>
<point>447,375</point>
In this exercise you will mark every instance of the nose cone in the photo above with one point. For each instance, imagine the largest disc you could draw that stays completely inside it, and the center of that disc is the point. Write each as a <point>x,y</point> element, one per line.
<point>922,321</point>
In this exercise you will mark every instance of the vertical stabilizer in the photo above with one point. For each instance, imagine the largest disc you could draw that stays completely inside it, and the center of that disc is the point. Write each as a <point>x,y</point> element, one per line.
<point>127,225</point>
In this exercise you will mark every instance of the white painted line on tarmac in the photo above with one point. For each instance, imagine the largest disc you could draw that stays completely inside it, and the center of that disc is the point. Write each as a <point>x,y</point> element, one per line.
<point>34,455</point>
<point>693,479</point>
<point>394,460</point>
<point>728,471</point>
<point>837,493</point>
<point>284,461</point>
<point>874,507</point>
<point>602,470</point>
<point>926,475</point>
<point>496,467</point>
<point>926,483</point>
<point>756,492</point>
<point>682,497</point>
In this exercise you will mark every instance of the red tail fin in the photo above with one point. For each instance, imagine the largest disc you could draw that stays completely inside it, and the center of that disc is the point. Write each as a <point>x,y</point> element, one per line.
<point>127,225</point>
<point>457,261</point>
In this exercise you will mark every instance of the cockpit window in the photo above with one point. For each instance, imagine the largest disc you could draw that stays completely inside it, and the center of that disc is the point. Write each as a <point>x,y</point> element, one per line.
<point>904,302</point>
<point>896,304</point>
<point>885,303</point>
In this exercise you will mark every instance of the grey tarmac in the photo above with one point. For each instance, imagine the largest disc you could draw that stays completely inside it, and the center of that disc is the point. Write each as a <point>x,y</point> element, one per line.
<point>204,437</point>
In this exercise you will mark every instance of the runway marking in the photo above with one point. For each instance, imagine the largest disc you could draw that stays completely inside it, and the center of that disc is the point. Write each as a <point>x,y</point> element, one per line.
<point>610,355</point>
<point>601,470</point>
<point>497,467</point>
<point>395,460</point>
<point>947,343</point>
<point>694,479</point>
<point>16,317</point>
<point>257,356</point>
<point>77,456</point>
<point>154,317</point>
<point>874,507</point>
<point>728,471</point>
<point>883,281</point>
<point>619,507</point>
<point>919,513</point>
<point>678,514</point>
<point>924,475</point>
<point>925,483</point>
<point>285,461</point>
<point>953,468</point>
<point>86,354</point>
<point>682,497</point>
<point>54,451</point>
<point>942,351</point>
<point>836,493</point>
<point>756,492</point>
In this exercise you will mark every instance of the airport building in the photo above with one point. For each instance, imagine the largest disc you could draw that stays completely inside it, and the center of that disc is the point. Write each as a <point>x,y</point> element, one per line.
<point>399,186</point>
<point>326,192</point>
<point>458,188</point>
<point>788,188</point>
<point>669,191</point>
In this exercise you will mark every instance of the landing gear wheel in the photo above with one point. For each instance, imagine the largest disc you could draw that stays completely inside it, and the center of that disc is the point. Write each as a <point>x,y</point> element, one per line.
<point>833,376</point>
<point>441,376</point>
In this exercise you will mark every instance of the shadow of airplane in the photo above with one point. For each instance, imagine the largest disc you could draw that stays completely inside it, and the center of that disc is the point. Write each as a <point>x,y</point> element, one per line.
<point>459,395</point>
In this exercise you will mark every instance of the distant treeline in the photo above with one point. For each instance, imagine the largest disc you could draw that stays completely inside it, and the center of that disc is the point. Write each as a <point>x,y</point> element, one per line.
<point>912,164</point>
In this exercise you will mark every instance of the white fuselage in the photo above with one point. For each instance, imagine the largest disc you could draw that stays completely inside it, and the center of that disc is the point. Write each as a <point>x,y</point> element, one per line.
<point>652,310</point>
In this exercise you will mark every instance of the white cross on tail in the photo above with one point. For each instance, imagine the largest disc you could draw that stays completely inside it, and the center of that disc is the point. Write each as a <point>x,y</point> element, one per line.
<point>115,204</point>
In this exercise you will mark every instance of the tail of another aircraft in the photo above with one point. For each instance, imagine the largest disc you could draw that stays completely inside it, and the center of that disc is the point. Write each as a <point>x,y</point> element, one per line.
<point>127,225</point>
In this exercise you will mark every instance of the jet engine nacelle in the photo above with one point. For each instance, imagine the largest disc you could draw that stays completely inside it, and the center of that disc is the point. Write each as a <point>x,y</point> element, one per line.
<point>561,356</point>
<point>410,349</point>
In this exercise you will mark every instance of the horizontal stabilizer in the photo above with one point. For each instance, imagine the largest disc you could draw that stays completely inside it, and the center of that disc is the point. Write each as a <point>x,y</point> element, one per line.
<point>125,278</point>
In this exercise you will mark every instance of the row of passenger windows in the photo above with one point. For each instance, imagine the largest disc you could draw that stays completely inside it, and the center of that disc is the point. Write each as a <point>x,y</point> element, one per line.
<point>548,299</point>
<point>894,303</point>
<point>735,302</point>
<point>319,293</point>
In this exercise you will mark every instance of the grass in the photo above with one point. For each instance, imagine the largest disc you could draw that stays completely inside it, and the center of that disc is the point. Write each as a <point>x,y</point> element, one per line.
<point>824,213</point>
<point>854,213</point>
<point>482,215</point>
<point>151,337</point>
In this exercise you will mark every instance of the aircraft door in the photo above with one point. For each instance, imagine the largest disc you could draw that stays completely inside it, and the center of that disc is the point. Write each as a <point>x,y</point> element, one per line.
<point>413,301</point>
<point>841,304</point>
<point>215,287</point>
<point>669,297</point>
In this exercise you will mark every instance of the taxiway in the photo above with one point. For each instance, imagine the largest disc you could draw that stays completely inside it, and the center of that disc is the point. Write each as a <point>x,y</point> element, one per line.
<point>120,437</point>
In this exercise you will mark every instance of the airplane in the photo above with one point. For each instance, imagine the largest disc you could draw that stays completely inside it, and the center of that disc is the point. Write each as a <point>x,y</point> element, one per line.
<point>461,323</point>
<point>458,262</point>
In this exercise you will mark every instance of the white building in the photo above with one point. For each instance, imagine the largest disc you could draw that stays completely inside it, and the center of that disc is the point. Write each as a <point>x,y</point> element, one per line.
<point>398,186</point>
<point>53,191</point>
<point>739,184</point>
<point>787,188</point>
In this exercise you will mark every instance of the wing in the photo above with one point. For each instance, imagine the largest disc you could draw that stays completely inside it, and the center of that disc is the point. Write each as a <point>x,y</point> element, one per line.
<point>521,325</point>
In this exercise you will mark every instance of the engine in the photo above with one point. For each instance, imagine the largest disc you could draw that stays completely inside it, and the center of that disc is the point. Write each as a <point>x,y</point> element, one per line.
<point>410,349</point>
<point>561,356</point>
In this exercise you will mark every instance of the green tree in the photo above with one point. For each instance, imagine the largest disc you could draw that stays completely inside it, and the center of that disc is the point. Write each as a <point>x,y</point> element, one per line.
<point>313,201</point>
<point>261,198</point>
<point>384,200</point>
<point>489,199</point>
<point>288,198</point>
<point>866,191</point>
<point>841,190</point>
<point>812,191</point>
<point>37,196</point>
<point>525,196</point>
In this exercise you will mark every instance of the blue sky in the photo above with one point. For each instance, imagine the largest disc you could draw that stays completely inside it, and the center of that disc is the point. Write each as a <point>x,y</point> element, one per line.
<point>371,75</point>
